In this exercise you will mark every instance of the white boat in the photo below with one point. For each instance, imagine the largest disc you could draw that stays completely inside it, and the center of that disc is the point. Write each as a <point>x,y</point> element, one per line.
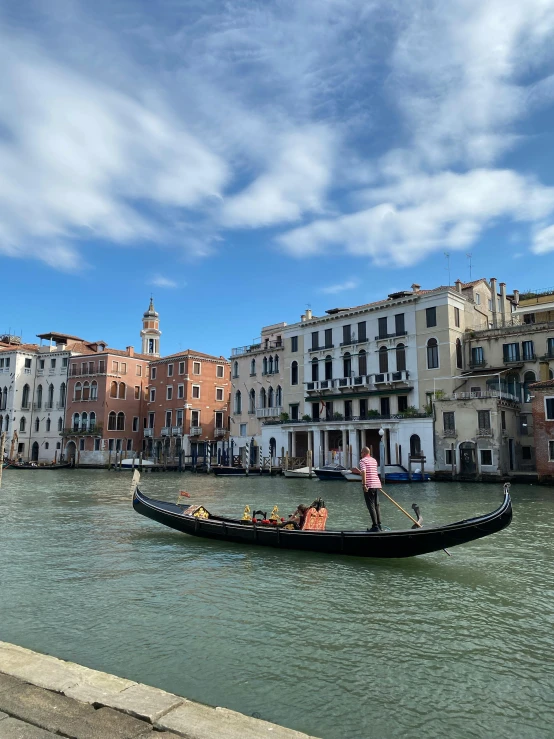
<point>300,472</point>
<point>352,476</point>
<point>136,463</point>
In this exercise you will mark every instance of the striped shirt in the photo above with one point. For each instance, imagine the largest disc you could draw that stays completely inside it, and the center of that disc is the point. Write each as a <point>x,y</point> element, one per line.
<point>369,464</point>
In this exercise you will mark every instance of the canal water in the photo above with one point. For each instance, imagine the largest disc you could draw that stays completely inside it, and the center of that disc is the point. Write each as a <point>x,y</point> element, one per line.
<point>336,647</point>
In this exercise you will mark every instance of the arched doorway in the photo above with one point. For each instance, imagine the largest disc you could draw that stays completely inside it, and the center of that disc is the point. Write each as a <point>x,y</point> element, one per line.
<point>272,448</point>
<point>70,452</point>
<point>415,445</point>
<point>468,465</point>
<point>34,452</point>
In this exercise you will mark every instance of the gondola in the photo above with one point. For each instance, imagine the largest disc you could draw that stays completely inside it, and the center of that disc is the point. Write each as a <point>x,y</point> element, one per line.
<point>17,466</point>
<point>384,544</point>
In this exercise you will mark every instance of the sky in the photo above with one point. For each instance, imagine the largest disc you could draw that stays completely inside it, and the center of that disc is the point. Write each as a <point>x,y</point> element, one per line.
<point>241,161</point>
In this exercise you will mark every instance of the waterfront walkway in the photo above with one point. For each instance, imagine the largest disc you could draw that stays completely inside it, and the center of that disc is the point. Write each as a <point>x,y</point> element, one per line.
<point>42,697</point>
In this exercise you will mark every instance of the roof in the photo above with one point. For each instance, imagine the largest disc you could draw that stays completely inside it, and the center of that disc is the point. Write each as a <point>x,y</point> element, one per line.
<point>17,347</point>
<point>58,335</point>
<point>544,384</point>
<point>190,353</point>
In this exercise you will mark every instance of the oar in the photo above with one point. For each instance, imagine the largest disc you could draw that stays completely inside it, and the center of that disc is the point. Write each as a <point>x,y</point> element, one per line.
<point>405,512</point>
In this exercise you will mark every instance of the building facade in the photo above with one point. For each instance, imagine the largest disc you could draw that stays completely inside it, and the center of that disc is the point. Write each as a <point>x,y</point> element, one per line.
<point>542,394</point>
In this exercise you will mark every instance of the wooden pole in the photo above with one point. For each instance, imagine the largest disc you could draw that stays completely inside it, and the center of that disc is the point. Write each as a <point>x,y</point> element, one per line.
<point>2,445</point>
<point>310,461</point>
<point>405,512</point>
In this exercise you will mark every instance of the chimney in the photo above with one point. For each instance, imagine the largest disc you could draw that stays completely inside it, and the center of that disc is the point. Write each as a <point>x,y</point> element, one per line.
<point>130,351</point>
<point>503,302</point>
<point>308,314</point>
<point>416,287</point>
<point>303,318</point>
<point>458,286</point>
<point>494,295</point>
<point>516,297</point>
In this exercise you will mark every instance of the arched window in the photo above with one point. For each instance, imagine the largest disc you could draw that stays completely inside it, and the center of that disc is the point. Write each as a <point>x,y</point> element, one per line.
<point>60,424</point>
<point>294,373</point>
<point>279,397</point>
<point>347,365</point>
<point>22,423</point>
<point>48,424</point>
<point>94,390</point>
<point>459,355</point>
<point>252,366</point>
<point>7,423</point>
<point>1,423</point>
<point>270,365</point>
<point>432,354</point>
<point>270,398</point>
<point>315,370</point>
<point>362,362</point>
<point>86,391</point>
<point>238,402</point>
<point>263,400</point>
<point>528,379</point>
<point>92,421</point>
<point>50,396</point>
<point>383,360</point>
<point>62,395</point>
<point>76,422</point>
<point>122,390</point>
<point>328,367</point>
<point>4,399</point>
<point>113,389</point>
<point>111,421</point>
<point>415,445</point>
<point>121,421</point>
<point>235,369</point>
<point>400,357</point>
<point>37,424</point>
<point>276,364</point>
<point>512,384</point>
<point>39,396</point>
<point>78,391</point>
<point>84,421</point>
<point>252,401</point>
<point>264,366</point>
<point>25,397</point>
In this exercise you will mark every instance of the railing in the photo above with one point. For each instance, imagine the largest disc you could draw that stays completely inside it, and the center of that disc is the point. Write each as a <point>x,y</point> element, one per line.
<point>268,412</point>
<point>477,363</point>
<point>26,406</point>
<point>176,430</point>
<point>4,369</point>
<point>548,355</point>
<point>40,372</point>
<point>485,395</point>
<point>219,433</point>
<point>257,347</point>
<point>37,406</point>
<point>60,406</point>
<point>94,429</point>
<point>321,348</point>
<point>148,433</point>
<point>393,335</point>
<point>27,371</point>
<point>48,406</point>
<point>166,430</point>
<point>358,381</point>
<point>195,430</point>
<point>484,432</point>
<point>367,417</point>
<point>450,432</point>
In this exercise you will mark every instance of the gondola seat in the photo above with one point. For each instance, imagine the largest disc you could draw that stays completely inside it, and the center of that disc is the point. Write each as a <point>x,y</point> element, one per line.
<point>315,520</point>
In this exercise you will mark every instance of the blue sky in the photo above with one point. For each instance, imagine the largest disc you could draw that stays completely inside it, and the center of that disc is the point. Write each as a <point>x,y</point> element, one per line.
<point>241,160</point>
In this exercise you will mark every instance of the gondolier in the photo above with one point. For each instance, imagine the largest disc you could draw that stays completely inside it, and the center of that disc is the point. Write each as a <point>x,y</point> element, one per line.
<point>371,484</point>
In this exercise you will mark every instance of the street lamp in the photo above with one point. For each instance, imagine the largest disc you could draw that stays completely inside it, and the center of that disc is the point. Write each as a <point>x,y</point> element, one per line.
<point>382,455</point>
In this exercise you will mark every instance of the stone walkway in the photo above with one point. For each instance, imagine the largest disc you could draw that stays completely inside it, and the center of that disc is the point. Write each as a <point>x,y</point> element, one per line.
<point>43,697</point>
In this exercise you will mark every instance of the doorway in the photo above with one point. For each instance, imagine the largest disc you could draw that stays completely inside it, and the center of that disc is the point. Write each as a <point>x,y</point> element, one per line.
<point>34,452</point>
<point>70,452</point>
<point>468,464</point>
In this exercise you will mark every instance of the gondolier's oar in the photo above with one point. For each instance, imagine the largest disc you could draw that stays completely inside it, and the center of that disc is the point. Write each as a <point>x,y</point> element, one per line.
<point>405,512</point>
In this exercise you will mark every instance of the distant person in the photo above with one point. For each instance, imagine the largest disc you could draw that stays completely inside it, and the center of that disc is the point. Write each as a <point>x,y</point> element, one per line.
<point>298,517</point>
<point>371,484</point>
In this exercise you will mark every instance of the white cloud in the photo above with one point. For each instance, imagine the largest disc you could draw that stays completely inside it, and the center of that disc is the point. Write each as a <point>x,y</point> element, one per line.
<point>161,281</point>
<point>340,287</point>
<point>543,241</point>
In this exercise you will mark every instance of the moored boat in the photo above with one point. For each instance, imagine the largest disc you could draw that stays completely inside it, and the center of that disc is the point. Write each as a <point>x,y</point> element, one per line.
<point>393,473</point>
<point>228,471</point>
<point>300,473</point>
<point>330,472</point>
<point>381,544</point>
<point>35,467</point>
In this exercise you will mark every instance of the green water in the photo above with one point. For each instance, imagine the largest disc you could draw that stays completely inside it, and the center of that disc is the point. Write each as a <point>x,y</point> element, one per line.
<point>336,647</point>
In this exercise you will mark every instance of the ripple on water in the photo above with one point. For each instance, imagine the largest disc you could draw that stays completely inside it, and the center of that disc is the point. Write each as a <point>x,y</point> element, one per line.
<point>433,646</point>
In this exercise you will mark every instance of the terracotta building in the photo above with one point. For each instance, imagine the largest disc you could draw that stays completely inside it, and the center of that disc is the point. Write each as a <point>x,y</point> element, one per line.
<point>542,395</point>
<point>188,405</point>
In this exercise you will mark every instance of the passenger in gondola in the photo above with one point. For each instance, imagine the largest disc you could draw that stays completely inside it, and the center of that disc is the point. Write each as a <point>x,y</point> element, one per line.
<point>371,484</point>
<point>298,517</point>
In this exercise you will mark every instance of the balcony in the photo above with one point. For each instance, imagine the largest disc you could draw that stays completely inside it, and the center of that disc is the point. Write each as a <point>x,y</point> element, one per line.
<point>176,431</point>
<point>545,357</point>
<point>37,406</point>
<point>476,363</point>
<point>391,377</point>
<point>40,372</point>
<point>26,406</point>
<point>94,429</point>
<point>321,348</point>
<point>353,340</point>
<point>60,406</point>
<point>166,431</point>
<point>195,430</point>
<point>484,432</point>
<point>483,395</point>
<point>260,346</point>
<point>394,335</point>
<point>218,433</point>
<point>269,412</point>
<point>48,406</point>
<point>450,433</point>
<point>148,433</point>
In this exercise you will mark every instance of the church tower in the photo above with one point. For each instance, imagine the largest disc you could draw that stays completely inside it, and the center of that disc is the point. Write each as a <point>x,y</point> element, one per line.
<point>151,333</point>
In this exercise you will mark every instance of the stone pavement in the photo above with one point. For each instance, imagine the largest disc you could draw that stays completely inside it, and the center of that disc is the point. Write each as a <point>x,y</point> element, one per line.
<point>42,697</point>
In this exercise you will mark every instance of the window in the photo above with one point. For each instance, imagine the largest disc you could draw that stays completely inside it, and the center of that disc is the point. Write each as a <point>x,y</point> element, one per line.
<point>27,364</point>
<point>450,457</point>
<point>121,421</point>
<point>511,352</point>
<point>490,304</point>
<point>346,334</point>
<point>101,366</point>
<point>448,422</point>
<point>93,390</point>
<point>315,370</point>
<point>385,406</point>
<point>37,424</point>
<point>315,411</point>
<point>252,401</point>
<point>383,359</point>
<point>328,367</point>
<point>526,453</point>
<point>243,429</point>
<point>152,394</point>
<point>264,366</point>
<point>138,370</point>
<point>219,370</point>
<point>503,420</point>
<point>81,445</point>
<point>383,328</point>
<point>329,410</point>
<point>528,379</point>
<point>235,369</point>
<point>196,391</point>
<point>402,403</point>
<point>315,339</point>
<point>124,368</point>
<point>399,326</point>
<point>293,412</point>
<point>477,299</point>
<point>129,445</point>
<point>528,350</point>
<point>196,368</point>
<point>170,370</point>
<point>432,354</point>
<point>219,419</point>
<point>362,331</point>
<point>97,445</point>
<point>169,392</point>
<point>46,445</point>
<point>486,457</point>
<point>113,389</point>
<point>347,410</point>
<point>294,343</point>
<point>53,363</point>
<point>39,397</point>
<point>115,366</point>
<point>400,358</point>
<point>362,363</point>
<point>294,373</point>
<point>431,317</point>
<point>252,367</point>
<point>122,390</point>
<point>64,362</point>
<point>363,409</point>
<point>219,393</point>
<point>40,363</point>
<point>477,356</point>
<point>263,398</point>
<point>60,424</point>
<point>459,355</point>
<point>110,445</point>
<point>484,420</point>
<point>270,367</point>
<point>168,417</point>
<point>151,417</point>
<point>457,317</point>
<point>347,365</point>
<point>48,424</point>
<point>551,451</point>
<point>20,448</point>
<point>276,364</point>
<point>179,419</point>
<point>25,396</point>
<point>328,338</point>
<point>153,372</point>
<point>238,402</point>
<point>180,391</point>
<point>137,392</point>
<point>549,409</point>
<point>111,421</point>
<point>92,420</point>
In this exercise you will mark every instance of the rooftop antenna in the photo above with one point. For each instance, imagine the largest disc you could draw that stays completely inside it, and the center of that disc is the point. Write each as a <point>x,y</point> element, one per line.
<point>469,260</point>
<point>447,255</point>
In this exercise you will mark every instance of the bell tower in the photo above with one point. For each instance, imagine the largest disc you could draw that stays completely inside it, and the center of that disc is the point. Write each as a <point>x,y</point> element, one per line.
<point>151,333</point>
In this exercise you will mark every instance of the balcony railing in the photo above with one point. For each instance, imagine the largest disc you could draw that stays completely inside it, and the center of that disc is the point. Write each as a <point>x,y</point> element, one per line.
<point>450,432</point>
<point>269,412</point>
<point>37,406</point>
<point>321,348</point>
<point>26,406</point>
<point>195,430</point>
<point>60,406</point>
<point>393,335</point>
<point>219,433</point>
<point>482,395</point>
<point>257,347</point>
<point>484,432</point>
<point>358,381</point>
<point>377,417</point>
<point>166,430</point>
<point>148,433</point>
<point>477,363</point>
<point>548,355</point>
<point>48,406</point>
<point>176,431</point>
<point>94,429</point>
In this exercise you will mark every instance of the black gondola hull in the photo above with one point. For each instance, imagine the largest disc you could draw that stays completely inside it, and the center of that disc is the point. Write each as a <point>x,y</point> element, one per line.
<point>384,544</point>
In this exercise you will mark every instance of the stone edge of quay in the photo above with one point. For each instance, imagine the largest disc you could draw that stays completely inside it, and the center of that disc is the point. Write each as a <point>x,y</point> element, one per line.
<point>163,710</point>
